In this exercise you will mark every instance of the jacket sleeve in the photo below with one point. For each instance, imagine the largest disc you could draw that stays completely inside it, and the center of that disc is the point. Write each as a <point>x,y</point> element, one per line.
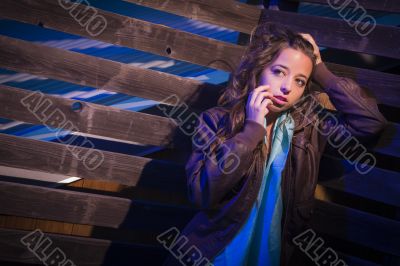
<point>214,166</point>
<point>358,112</point>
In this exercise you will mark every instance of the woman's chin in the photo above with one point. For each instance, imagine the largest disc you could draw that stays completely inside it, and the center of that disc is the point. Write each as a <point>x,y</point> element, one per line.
<point>277,108</point>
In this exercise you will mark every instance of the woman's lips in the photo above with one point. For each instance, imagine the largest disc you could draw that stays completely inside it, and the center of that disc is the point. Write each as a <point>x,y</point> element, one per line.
<point>279,99</point>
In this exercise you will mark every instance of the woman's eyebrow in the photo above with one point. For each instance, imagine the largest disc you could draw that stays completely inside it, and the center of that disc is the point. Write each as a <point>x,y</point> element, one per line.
<point>302,75</point>
<point>285,67</point>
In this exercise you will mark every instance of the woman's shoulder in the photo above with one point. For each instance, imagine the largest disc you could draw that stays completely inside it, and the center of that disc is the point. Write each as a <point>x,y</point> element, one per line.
<point>215,116</point>
<point>217,112</point>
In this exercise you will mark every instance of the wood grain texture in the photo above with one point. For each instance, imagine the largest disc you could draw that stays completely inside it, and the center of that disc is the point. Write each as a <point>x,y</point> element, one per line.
<point>128,32</point>
<point>381,40</point>
<point>379,184</point>
<point>226,13</point>
<point>344,36</point>
<point>391,6</point>
<point>80,250</point>
<point>85,70</point>
<point>23,56</point>
<point>76,161</point>
<point>359,227</point>
<point>86,208</point>
<point>57,112</point>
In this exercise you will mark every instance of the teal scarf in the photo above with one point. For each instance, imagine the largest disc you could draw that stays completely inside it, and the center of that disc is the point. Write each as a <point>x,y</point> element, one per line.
<point>259,240</point>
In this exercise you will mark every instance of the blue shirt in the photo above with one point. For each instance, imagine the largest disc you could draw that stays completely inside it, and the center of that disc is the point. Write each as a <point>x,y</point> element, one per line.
<point>258,241</point>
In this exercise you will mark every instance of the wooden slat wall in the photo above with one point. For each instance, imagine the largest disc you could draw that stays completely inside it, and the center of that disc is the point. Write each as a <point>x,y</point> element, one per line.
<point>118,77</point>
<point>129,32</point>
<point>126,197</point>
<point>319,27</point>
<point>91,118</point>
<point>224,56</point>
<point>127,125</point>
<point>341,221</point>
<point>391,6</point>
<point>93,209</point>
<point>102,74</point>
<point>71,161</point>
<point>225,13</point>
<point>80,250</point>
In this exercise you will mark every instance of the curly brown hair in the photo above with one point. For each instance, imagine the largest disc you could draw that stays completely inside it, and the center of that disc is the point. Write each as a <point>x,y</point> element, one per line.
<point>267,40</point>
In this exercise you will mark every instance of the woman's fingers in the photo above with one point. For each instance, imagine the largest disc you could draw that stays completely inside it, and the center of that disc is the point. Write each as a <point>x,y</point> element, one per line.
<point>256,107</point>
<point>262,96</point>
<point>311,40</point>
<point>308,37</point>
<point>262,100</point>
<point>255,93</point>
<point>265,103</point>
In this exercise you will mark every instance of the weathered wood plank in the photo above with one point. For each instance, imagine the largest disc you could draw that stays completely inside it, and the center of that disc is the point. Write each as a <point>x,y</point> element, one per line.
<point>358,227</point>
<point>140,236</point>
<point>104,74</point>
<point>226,13</point>
<point>22,223</point>
<point>344,37</point>
<point>23,56</point>
<point>86,208</point>
<point>80,250</point>
<point>389,141</point>
<point>88,163</point>
<point>57,112</point>
<point>379,184</point>
<point>381,40</point>
<point>112,167</point>
<point>382,85</point>
<point>386,146</point>
<point>127,31</point>
<point>387,5</point>
<point>131,126</point>
<point>67,206</point>
<point>227,55</point>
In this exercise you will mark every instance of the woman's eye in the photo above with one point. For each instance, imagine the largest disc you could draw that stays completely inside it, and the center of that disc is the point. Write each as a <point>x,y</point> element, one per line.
<point>278,72</point>
<point>301,83</point>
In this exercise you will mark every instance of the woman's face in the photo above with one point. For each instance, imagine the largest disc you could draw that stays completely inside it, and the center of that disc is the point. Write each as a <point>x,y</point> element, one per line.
<point>287,77</point>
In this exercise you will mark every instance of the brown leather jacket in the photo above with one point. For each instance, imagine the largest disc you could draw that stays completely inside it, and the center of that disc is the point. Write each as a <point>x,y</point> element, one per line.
<point>226,197</point>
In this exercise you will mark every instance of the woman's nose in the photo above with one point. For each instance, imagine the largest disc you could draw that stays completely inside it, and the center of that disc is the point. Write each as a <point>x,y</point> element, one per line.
<point>286,86</point>
<point>285,89</point>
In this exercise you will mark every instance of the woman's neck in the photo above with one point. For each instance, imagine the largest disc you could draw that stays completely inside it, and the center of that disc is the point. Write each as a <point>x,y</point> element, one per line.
<point>271,117</point>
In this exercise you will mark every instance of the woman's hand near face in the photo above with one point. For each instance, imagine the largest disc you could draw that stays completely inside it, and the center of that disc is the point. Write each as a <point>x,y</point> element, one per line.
<point>311,40</point>
<point>257,102</point>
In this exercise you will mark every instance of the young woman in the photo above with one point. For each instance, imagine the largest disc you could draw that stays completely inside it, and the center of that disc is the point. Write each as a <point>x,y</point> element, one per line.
<point>254,165</point>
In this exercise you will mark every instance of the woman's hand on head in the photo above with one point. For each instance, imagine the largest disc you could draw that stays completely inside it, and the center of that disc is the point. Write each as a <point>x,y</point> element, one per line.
<point>311,40</point>
<point>257,102</point>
